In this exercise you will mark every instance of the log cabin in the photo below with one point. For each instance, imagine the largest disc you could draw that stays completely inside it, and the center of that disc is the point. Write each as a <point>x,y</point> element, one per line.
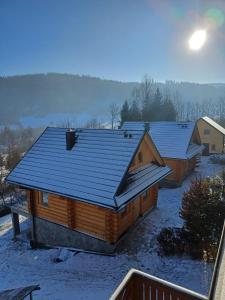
<point>179,145</point>
<point>212,136</point>
<point>87,187</point>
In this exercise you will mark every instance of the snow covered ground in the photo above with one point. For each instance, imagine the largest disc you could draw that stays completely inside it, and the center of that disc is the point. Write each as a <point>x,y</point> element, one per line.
<point>86,276</point>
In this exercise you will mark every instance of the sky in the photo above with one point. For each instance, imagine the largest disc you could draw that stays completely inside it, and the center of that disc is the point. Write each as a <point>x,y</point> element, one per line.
<point>113,39</point>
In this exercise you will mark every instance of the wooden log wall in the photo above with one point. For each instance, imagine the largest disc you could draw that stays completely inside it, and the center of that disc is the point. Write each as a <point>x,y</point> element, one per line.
<point>96,221</point>
<point>56,210</point>
<point>181,168</point>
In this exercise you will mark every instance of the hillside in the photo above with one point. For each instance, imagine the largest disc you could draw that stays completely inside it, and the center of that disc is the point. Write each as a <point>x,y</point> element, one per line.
<point>41,95</point>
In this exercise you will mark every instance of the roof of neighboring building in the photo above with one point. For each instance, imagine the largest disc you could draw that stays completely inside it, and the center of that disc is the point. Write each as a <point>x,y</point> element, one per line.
<point>214,124</point>
<point>172,139</point>
<point>91,171</point>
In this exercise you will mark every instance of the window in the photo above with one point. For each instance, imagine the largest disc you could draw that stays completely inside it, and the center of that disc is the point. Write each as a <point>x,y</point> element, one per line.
<point>206,131</point>
<point>213,147</point>
<point>44,199</point>
<point>140,157</point>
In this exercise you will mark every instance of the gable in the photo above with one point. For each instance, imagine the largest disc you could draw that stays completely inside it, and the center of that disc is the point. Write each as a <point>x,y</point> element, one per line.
<point>202,125</point>
<point>213,124</point>
<point>145,154</point>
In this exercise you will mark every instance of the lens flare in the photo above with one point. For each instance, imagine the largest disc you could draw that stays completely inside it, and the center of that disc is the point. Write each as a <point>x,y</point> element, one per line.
<point>197,40</point>
<point>215,17</point>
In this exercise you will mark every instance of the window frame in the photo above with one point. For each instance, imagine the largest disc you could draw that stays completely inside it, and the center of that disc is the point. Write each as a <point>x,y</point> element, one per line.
<point>206,131</point>
<point>43,199</point>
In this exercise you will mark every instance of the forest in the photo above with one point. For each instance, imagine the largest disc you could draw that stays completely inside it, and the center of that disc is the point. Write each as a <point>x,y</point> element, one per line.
<point>152,102</point>
<point>38,95</point>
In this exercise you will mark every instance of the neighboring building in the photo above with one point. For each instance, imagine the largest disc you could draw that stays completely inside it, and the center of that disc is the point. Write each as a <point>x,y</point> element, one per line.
<point>178,143</point>
<point>86,187</point>
<point>212,136</point>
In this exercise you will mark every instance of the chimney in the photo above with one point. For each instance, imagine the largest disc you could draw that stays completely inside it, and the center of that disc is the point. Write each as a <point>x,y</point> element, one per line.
<point>147,126</point>
<point>125,134</point>
<point>70,138</point>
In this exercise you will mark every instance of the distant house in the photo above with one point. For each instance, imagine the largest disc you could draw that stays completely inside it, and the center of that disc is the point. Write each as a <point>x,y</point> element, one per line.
<point>86,187</point>
<point>212,136</point>
<point>178,143</point>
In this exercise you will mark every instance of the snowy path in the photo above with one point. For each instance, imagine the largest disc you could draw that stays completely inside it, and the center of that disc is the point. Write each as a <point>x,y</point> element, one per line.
<point>86,276</point>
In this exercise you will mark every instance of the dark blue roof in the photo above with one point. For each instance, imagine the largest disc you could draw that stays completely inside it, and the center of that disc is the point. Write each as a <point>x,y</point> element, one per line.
<point>172,139</point>
<point>92,171</point>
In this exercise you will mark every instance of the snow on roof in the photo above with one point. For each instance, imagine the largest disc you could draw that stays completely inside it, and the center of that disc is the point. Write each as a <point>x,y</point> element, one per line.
<point>194,149</point>
<point>172,139</point>
<point>92,171</point>
<point>214,124</point>
<point>141,179</point>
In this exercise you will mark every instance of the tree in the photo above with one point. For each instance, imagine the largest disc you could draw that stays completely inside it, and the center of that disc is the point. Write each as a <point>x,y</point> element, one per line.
<point>2,182</point>
<point>93,123</point>
<point>146,92</point>
<point>125,113</point>
<point>114,114</point>
<point>7,137</point>
<point>13,157</point>
<point>1,161</point>
<point>203,210</point>
<point>135,114</point>
<point>156,106</point>
<point>168,110</point>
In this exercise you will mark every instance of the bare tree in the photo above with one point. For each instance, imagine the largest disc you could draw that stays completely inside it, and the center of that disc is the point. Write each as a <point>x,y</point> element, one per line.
<point>93,123</point>
<point>114,111</point>
<point>2,181</point>
<point>66,123</point>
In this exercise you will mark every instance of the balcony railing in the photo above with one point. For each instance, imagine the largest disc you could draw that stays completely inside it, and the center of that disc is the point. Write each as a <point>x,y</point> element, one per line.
<point>138,285</point>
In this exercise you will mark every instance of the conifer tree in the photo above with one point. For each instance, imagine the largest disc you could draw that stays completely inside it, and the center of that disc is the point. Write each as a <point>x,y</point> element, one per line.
<point>156,107</point>
<point>135,114</point>
<point>168,110</point>
<point>203,209</point>
<point>125,113</point>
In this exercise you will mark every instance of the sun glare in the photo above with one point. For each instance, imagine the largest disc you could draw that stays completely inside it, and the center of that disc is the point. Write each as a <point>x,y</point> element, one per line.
<point>197,40</point>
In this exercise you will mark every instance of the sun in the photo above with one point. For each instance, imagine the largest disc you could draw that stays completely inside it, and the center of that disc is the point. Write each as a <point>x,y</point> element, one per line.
<point>197,40</point>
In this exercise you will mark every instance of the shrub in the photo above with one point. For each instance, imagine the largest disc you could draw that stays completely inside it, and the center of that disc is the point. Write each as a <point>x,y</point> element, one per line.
<point>203,209</point>
<point>170,241</point>
<point>203,212</point>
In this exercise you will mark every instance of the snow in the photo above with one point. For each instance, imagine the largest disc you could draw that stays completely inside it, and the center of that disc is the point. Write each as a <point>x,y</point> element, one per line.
<point>89,276</point>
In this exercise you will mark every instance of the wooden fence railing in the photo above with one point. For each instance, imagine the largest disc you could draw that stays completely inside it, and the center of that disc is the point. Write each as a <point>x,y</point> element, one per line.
<point>141,286</point>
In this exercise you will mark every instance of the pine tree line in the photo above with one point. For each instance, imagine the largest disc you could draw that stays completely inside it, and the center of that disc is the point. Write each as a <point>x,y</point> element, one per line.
<point>148,104</point>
